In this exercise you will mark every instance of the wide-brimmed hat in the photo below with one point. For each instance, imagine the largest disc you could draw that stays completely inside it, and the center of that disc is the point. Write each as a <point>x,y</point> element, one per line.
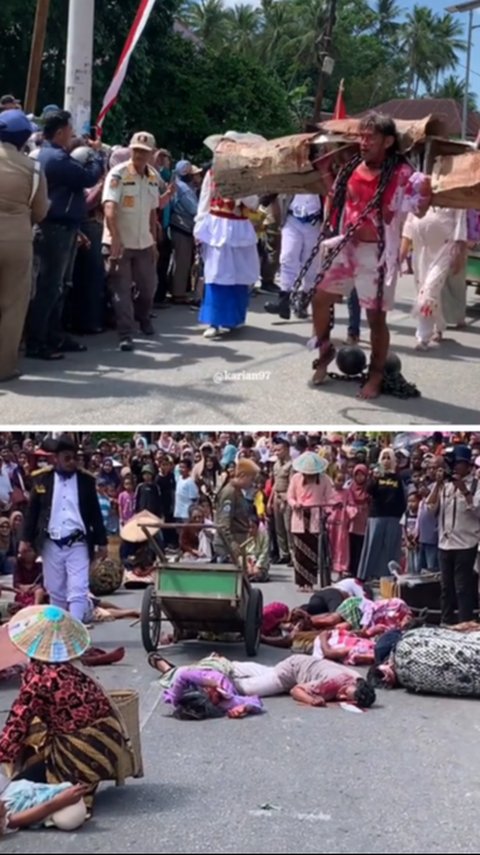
<point>49,634</point>
<point>132,531</point>
<point>310,463</point>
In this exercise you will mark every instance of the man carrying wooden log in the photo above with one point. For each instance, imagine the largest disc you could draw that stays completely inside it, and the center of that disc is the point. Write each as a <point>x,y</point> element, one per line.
<point>365,210</point>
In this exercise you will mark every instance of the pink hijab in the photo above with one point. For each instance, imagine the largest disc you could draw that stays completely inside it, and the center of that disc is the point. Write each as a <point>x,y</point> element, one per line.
<point>273,615</point>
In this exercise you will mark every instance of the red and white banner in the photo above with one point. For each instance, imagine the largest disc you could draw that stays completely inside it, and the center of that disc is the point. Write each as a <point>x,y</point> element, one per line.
<point>136,30</point>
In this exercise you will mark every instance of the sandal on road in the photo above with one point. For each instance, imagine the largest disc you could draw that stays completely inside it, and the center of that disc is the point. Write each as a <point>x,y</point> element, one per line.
<point>155,661</point>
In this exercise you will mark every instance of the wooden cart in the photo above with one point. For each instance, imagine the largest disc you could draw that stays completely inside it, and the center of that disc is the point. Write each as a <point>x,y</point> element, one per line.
<point>196,597</point>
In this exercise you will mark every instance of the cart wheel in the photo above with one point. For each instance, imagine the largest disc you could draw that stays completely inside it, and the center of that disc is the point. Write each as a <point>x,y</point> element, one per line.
<point>253,622</point>
<point>151,619</point>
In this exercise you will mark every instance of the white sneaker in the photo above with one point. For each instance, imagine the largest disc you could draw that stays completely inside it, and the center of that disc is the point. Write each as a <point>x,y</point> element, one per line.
<point>421,345</point>
<point>211,332</point>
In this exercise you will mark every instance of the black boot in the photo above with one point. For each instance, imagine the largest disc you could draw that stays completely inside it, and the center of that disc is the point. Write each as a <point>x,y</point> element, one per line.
<point>280,307</point>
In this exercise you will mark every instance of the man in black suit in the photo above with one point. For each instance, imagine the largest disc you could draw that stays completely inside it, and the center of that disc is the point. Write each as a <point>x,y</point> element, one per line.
<point>64,525</point>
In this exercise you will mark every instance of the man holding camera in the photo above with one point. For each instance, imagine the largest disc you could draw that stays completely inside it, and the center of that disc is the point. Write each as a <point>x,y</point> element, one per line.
<point>457,503</point>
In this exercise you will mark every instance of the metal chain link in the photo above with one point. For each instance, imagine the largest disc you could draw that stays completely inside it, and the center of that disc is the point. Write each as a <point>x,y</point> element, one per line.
<point>393,384</point>
<point>301,298</point>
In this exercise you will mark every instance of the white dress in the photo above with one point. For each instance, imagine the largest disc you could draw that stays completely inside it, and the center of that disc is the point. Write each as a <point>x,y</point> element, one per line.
<point>433,238</point>
<point>229,246</point>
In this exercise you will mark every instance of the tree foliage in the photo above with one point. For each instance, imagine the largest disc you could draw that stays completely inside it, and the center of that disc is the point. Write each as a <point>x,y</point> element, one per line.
<point>248,68</point>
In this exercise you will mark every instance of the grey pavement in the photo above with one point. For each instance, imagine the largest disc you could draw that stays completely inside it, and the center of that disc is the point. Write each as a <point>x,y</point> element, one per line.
<point>402,778</point>
<point>258,375</point>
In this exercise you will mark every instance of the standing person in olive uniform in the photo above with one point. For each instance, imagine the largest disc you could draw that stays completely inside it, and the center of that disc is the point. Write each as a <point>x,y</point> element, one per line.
<point>278,505</point>
<point>23,202</point>
<point>233,510</point>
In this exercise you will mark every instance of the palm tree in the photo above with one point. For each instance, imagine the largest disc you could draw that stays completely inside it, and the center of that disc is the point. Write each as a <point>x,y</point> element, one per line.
<point>277,25</point>
<point>452,87</point>
<point>244,25</point>
<point>309,17</point>
<point>386,15</point>
<point>446,37</point>
<point>208,19</point>
<point>417,44</point>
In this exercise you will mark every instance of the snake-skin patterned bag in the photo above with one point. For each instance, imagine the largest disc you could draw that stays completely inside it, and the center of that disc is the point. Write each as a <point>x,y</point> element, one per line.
<point>439,661</point>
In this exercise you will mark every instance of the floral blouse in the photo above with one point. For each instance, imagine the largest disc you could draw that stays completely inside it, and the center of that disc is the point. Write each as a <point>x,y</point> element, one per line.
<point>65,699</point>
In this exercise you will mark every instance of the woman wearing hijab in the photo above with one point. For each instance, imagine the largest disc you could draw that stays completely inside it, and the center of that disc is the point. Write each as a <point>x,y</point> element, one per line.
<point>383,539</point>
<point>309,490</point>
<point>62,719</point>
<point>358,503</point>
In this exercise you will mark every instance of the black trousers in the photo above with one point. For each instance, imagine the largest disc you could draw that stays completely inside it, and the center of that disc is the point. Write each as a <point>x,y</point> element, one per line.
<point>356,546</point>
<point>459,583</point>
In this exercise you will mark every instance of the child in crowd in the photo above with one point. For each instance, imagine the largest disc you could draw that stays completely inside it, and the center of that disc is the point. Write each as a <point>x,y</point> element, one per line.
<point>409,526</point>
<point>258,551</point>
<point>126,500</point>
<point>338,527</point>
<point>427,531</point>
<point>147,496</point>
<point>103,500</point>
<point>113,519</point>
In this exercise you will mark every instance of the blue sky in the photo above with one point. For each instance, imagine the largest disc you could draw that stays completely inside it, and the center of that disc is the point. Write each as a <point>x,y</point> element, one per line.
<point>437,6</point>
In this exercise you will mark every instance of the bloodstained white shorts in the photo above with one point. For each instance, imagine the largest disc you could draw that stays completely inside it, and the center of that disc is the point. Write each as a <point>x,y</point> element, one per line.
<point>356,266</point>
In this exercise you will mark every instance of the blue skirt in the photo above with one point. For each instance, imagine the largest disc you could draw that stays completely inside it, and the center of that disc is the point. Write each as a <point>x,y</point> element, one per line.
<point>224,305</point>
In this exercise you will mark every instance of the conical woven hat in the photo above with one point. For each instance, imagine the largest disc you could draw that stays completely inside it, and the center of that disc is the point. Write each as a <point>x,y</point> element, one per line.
<point>132,532</point>
<point>49,634</point>
<point>310,463</point>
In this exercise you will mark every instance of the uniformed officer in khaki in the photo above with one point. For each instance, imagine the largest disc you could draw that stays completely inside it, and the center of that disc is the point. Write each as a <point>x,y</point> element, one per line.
<point>131,198</point>
<point>23,202</point>
<point>278,505</point>
<point>232,514</point>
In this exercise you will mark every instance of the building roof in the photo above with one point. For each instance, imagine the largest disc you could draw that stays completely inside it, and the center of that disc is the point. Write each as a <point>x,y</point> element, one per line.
<point>445,108</point>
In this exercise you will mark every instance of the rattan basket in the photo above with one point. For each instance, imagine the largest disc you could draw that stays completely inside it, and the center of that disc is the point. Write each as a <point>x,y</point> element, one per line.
<point>126,702</point>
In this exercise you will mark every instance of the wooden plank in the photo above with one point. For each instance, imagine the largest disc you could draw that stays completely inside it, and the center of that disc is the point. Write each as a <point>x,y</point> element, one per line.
<point>456,181</point>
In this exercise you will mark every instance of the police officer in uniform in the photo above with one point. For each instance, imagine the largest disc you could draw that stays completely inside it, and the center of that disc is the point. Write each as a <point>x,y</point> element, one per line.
<point>64,524</point>
<point>23,202</point>
<point>131,196</point>
<point>233,510</point>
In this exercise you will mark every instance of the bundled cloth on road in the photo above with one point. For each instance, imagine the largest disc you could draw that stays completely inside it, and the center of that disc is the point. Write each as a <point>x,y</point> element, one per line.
<point>439,661</point>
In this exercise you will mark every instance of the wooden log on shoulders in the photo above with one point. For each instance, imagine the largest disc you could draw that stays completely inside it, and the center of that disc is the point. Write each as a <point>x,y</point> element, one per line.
<point>305,163</point>
<point>242,169</point>
<point>456,181</point>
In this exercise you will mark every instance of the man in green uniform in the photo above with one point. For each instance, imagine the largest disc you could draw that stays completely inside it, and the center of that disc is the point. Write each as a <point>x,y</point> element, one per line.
<point>233,510</point>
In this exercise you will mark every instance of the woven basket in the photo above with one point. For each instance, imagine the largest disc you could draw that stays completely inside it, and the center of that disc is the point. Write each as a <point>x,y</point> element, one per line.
<point>126,702</point>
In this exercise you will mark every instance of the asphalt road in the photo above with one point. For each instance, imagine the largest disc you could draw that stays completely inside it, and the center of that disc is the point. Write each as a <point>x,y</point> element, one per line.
<point>402,778</point>
<point>259,375</point>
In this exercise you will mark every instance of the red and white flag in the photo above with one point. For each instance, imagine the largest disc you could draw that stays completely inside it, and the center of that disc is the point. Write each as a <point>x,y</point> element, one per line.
<point>340,109</point>
<point>136,30</point>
